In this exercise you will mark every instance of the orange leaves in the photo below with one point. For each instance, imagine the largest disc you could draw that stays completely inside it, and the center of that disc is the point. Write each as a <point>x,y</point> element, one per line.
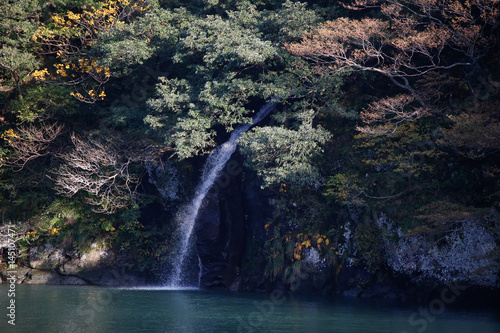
<point>413,40</point>
<point>344,42</point>
<point>411,30</point>
<point>383,116</point>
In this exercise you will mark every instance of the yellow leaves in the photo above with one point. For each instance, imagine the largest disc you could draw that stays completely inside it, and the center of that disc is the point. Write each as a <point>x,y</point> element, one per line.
<point>62,72</point>
<point>69,37</point>
<point>77,95</point>
<point>58,20</point>
<point>90,96</point>
<point>297,252</point>
<point>40,75</point>
<point>305,241</point>
<point>73,16</point>
<point>54,231</point>
<point>9,135</point>
<point>88,66</point>
<point>61,69</point>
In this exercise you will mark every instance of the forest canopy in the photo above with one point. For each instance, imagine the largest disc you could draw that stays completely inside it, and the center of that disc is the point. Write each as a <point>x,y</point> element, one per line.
<point>386,106</point>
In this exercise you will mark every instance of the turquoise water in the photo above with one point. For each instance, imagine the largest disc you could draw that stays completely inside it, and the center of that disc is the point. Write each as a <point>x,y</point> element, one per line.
<point>93,309</point>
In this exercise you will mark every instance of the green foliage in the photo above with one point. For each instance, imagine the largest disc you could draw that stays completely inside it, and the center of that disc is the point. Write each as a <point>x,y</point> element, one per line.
<point>126,46</point>
<point>18,22</point>
<point>293,273</point>
<point>408,152</point>
<point>368,239</point>
<point>291,21</point>
<point>67,224</point>
<point>233,43</point>
<point>43,101</point>
<point>438,218</point>
<point>224,63</point>
<point>273,250</point>
<point>345,190</point>
<point>180,75</point>
<point>283,155</point>
<point>475,132</point>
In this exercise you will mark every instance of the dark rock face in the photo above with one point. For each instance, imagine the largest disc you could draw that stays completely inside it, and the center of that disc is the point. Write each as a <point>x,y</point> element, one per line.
<point>233,212</point>
<point>210,243</point>
<point>231,223</point>
<point>220,233</point>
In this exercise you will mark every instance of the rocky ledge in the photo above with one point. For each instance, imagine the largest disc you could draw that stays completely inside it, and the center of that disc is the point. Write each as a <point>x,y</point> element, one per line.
<point>47,264</point>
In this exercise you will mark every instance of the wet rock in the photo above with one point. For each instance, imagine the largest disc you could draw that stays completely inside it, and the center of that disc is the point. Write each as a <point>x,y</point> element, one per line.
<point>353,292</point>
<point>45,257</point>
<point>35,276</point>
<point>236,285</point>
<point>71,280</point>
<point>20,274</point>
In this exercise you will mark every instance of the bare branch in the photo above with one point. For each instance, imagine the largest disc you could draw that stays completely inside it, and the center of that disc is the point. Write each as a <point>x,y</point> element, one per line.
<point>415,39</point>
<point>29,142</point>
<point>102,167</point>
<point>384,116</point>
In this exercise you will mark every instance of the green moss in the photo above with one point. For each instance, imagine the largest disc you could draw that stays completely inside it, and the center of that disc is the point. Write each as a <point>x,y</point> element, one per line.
<point>368,240</point>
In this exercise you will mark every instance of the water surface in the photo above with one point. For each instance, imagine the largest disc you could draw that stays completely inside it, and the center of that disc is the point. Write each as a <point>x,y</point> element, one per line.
<point>93,309</point>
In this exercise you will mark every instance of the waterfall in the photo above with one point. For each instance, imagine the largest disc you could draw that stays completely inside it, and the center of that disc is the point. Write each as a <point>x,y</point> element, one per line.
<point>211,170</point>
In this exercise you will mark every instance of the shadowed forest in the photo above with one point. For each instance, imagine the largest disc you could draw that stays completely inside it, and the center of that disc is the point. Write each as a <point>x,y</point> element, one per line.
<point>387,125</point>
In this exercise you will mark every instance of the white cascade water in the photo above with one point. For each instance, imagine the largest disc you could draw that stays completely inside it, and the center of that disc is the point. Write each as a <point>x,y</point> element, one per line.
<point>212,168</point>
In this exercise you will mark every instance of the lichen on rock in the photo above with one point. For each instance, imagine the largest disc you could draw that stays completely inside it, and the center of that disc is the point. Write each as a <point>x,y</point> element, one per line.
<point>462,255</point>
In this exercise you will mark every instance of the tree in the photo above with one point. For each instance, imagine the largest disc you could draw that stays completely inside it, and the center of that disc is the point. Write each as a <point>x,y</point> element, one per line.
<point>70,37</point>
<point>103,168</point>
<point>18,22</point>
<point>224,64</point>
<point>286,156</point>
<point>414,40</point>
<point>29,142</point>
<point>474,133</point>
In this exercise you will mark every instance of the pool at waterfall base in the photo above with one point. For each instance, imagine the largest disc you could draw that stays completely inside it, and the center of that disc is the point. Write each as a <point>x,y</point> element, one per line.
<point>45,308</point>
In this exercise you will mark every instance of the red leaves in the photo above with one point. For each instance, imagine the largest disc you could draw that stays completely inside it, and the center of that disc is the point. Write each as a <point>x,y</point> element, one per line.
<point>414,39</point>
<point>383,116</point>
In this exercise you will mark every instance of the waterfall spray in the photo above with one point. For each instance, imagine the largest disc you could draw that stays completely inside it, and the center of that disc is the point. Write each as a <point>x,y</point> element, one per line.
<point>211,170</point>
